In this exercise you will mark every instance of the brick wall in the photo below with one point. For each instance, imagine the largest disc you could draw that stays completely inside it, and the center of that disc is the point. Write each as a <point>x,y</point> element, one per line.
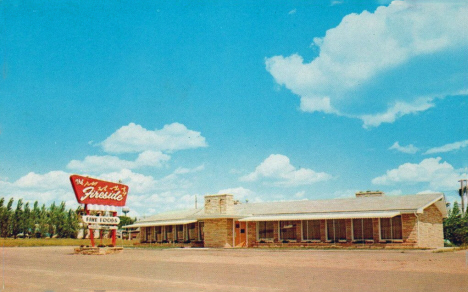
<point>431,233</point>
<point>410,228</point>
<point>252,233</point>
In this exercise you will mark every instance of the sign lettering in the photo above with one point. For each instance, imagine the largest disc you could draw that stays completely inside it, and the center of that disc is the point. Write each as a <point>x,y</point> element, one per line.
<point>94,191</point>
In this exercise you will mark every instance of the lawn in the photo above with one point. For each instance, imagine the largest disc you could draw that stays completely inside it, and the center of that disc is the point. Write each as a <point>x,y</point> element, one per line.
<point>27,242</point>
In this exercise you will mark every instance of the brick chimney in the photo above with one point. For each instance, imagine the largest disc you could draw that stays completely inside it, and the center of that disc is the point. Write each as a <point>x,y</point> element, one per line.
<point>219,204</point>
<point>369,194</point>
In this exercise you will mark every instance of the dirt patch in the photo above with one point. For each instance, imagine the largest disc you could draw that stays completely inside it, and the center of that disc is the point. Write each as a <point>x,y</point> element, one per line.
<point>58,269</point>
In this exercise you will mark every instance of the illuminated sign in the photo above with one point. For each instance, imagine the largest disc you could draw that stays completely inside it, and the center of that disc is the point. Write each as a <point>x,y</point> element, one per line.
<point>98,192</point>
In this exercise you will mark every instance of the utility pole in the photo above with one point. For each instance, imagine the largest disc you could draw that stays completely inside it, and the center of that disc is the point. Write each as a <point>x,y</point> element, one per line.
<point>463,193</point>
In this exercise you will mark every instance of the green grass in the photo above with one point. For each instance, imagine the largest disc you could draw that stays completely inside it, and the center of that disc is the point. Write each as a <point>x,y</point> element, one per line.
<point>29,242</point>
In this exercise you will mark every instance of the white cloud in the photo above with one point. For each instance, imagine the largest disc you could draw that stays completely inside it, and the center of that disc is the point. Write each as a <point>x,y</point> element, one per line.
<point>239,193</point>
<point>44,188</point>
<point>439,175</point>
<point>292,11</point>
<point>358,57</point>
<point>333,3</point>
<point>278,168</point>
<point>96,164</point>
<point>396,111</point>
<point>410,149</point>
<point>448,147</point>
<point>134,138</point>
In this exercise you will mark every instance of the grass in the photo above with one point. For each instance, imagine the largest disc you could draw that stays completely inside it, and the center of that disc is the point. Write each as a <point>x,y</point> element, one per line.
<point>30,242</point>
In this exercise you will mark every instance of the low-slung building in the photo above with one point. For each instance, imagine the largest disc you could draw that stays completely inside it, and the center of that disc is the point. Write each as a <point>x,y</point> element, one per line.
<point>371,218</point>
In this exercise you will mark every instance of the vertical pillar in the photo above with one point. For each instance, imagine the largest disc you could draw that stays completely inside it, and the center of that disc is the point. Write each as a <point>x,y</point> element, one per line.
<point>114,232</point>
<point>91,231</point>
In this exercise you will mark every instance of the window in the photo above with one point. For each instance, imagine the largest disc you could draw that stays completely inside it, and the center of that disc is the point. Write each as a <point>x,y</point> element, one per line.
<point>179,234</point>
<point>201,234</point>
<point>363,229</point>
<point>168,233</point>
<point>391,228</point>
<point>158,234</point>
<point>311,230</point>
<point>191,232</point>
<point>265,230</point>
<point>336,230</point>
<point>148,233</point>
<point>288,230</point>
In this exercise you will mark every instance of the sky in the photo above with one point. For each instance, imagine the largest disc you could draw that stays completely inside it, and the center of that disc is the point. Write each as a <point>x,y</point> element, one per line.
<point>266,100</point>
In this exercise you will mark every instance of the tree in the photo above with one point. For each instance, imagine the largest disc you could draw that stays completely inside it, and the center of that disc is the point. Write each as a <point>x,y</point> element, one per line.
<point>6,218</point>
<point>28,220</point>
<point>124,220</point>
<point>455,226</point>
<point>17,223</point>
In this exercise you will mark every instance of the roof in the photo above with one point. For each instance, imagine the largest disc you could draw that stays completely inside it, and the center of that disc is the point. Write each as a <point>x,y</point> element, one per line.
<point>357,207</point>
<point>410,203</point>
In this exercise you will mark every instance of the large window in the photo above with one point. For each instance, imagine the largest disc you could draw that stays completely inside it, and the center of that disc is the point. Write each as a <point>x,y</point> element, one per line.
<point>191,231</point>
<point>311,230</point>
<point>158,234</point>
<point>179,234</point>
<point>201,234</point>
<point>391,228</point>
<point>168,233</point>
<point>288,230</point>
<point>363,229</point>
<point>265,230</point>
<point>336,230</point>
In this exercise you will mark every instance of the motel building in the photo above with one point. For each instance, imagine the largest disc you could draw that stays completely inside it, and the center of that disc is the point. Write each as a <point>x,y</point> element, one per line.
<point>368,219</point>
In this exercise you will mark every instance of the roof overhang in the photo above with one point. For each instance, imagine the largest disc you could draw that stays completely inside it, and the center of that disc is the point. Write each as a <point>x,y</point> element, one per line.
<point>440,203</point>
<point>319,216</point>
<point>160,223</point>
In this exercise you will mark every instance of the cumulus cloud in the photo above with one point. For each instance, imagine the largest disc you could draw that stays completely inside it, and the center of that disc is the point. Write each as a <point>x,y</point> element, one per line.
<point>448,147</point>
<point>279,169</point>
<point>239,192</point>
<point>98,164</point>
<point>409,149</point>
<point>439,175</point>
<point>44,188</point>
<point>383,65</point>
<point>134,138</point>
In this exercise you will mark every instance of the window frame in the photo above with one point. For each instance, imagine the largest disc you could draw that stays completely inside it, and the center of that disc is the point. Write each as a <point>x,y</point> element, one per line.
<point>272,230</point>
<point>396,240</point>
<point>363,239</point>
<point>334,231</point>
<point>319,230</point>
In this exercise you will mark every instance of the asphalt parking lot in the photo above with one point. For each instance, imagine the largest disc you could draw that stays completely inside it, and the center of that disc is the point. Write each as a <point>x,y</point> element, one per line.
<point>58,269</point>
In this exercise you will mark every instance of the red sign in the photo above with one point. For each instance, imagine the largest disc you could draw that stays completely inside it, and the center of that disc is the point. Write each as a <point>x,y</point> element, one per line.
<point>98,192</point>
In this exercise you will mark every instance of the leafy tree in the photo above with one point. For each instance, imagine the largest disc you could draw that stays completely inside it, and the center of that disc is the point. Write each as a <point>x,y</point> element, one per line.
<point>43,220</point>
<point>124,220</point>
<point>17,222</point>
<point>455,226</point>
<point>28,220</point>
<point>7,218</point>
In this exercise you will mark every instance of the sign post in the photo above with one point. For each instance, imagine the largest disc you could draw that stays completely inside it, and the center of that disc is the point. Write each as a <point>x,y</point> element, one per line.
<point>99,195</point>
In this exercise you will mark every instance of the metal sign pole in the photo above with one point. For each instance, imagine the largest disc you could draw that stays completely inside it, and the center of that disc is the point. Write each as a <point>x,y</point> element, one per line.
<point>91,231</point>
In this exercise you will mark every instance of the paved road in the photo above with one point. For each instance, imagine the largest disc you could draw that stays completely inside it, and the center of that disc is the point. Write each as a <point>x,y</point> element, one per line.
<point>58,269</point>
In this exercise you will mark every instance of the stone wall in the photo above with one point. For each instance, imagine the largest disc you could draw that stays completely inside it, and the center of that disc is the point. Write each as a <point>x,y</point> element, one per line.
<point>218,232</point>
<point>431,232</point>
<point>219,204</point>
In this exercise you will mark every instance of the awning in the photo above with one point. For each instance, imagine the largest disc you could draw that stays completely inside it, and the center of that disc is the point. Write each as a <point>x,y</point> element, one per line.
<point>318,216</point>
<point>160,223</point>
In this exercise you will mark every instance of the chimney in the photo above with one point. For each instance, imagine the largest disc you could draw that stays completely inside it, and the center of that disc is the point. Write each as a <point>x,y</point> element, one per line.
<point>367,194</point>
<point>219,204</point>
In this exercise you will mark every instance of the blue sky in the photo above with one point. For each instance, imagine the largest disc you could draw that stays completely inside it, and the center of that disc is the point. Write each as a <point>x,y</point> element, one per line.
<point>271,100</point>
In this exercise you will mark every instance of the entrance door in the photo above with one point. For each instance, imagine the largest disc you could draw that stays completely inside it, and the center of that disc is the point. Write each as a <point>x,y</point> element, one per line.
<point>241,235</point>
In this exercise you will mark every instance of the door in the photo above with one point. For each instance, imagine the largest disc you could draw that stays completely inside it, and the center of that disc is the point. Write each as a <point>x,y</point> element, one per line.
<point>241,235</point>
